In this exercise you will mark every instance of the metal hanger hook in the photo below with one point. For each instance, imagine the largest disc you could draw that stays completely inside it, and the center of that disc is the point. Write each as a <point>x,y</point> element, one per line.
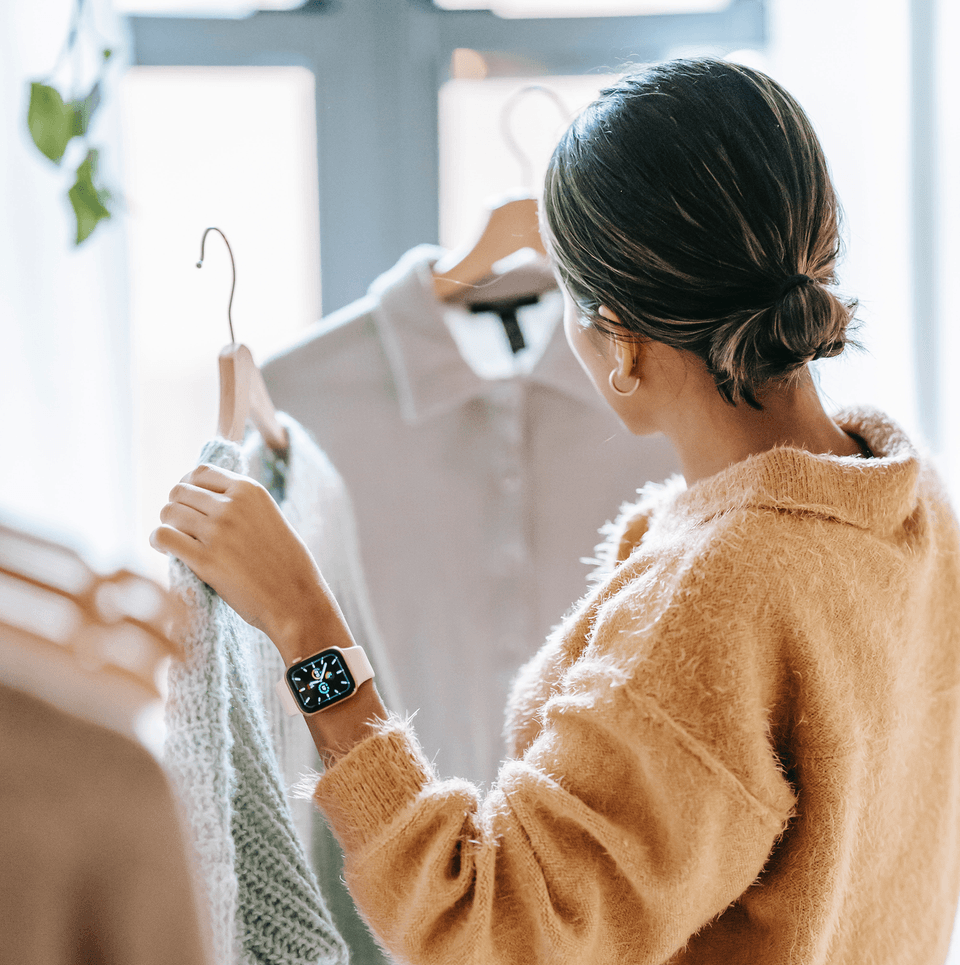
<point>233,268</point>
<point>506,114</point>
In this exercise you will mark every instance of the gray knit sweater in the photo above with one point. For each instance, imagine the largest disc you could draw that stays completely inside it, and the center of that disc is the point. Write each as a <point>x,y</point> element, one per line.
<point>263,898</point>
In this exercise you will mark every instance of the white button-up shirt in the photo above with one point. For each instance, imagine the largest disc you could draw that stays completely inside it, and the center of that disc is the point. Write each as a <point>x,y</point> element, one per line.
<point>479,478</point>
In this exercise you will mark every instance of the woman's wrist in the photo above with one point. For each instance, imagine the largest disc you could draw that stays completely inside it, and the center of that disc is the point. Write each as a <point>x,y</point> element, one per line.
<point>337,730</point>
<point>311,631</point>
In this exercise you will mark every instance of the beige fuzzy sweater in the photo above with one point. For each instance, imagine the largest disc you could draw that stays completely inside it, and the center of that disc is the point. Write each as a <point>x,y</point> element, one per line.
<point>742,746</point>
<point>94,868</point>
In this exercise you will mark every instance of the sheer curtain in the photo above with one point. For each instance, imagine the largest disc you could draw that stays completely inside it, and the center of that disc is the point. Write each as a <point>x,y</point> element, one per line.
<point>64,384</point>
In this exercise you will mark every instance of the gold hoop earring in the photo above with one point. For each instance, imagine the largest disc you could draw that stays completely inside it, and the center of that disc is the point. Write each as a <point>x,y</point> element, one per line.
<point>617,389</point>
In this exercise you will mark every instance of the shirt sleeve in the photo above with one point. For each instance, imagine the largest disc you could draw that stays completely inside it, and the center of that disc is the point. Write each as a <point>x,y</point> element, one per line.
<point>617,830</point>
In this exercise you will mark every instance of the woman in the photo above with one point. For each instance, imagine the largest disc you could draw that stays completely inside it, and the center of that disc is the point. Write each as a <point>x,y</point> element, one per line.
<point>743,745</point>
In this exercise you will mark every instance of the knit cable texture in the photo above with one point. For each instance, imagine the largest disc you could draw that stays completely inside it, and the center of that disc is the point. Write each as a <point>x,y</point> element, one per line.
<point>264,901</point>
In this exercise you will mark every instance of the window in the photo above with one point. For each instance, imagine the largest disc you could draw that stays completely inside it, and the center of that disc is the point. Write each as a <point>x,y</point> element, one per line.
<point>230,147</point>
<point>476,163</point>
<point>585,8</point>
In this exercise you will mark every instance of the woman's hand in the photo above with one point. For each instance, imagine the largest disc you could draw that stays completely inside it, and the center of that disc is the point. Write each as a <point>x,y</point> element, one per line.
<point>229,531</point>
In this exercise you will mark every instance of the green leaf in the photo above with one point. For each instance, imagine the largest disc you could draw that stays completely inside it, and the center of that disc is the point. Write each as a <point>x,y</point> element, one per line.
<point>89,201</point>
<point>107,53</point>
<point>83,111</point>
<point>50,121</point>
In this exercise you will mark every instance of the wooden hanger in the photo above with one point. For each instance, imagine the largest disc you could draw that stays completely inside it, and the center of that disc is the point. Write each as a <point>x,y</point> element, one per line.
<point>243,395</point>
<point>243,392</point>
<point>512,223</point>
<point>61,621</point>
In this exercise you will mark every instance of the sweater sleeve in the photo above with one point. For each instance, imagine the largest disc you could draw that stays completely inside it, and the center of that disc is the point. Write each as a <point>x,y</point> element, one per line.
<point>617,830</point>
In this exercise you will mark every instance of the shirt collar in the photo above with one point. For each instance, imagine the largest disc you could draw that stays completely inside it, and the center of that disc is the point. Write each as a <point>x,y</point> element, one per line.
<point>875,494</point>
<point>429,371</point>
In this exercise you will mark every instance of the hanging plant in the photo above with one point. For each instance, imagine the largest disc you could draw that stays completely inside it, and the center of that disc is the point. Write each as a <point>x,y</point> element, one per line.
<point>55,120</point>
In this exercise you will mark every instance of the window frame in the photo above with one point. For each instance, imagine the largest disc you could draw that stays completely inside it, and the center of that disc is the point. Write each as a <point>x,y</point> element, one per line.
<point>379,68</point>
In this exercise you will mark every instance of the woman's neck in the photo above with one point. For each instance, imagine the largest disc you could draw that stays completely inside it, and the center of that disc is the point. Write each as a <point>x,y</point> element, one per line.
<point>713,435</point>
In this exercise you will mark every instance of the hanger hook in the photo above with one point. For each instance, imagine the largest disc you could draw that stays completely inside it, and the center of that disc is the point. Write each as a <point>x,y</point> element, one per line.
<point>506,114</point>
<point>233,268</point>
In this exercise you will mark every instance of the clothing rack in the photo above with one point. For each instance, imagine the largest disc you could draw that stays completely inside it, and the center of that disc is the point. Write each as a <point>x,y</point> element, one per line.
<point>94,644</point>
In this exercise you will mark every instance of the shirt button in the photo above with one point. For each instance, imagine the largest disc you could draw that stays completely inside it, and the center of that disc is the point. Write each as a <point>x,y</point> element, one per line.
<point>511,483</point>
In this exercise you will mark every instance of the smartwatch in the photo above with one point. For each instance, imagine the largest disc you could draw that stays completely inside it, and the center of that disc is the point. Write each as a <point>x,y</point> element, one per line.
<point>323,679</point>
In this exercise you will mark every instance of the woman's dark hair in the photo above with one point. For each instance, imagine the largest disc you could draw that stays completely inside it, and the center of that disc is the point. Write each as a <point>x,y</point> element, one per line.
<point>693,200</point>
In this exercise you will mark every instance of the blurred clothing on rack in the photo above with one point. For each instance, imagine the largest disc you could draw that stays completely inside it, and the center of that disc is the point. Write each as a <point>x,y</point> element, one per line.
<point>312,496</point>
<point>93,855</point>
<point>260,893</point>
<point>93,859</point>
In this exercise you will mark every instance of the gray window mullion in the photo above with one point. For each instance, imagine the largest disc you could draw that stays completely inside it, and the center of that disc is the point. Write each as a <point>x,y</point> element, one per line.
<point>379,67</point>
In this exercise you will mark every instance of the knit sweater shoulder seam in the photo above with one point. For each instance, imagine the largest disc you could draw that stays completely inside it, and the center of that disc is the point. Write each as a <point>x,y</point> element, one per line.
<point>702,753</point>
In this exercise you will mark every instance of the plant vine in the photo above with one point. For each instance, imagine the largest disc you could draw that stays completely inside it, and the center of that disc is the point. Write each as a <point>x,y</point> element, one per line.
<point>54,119</point>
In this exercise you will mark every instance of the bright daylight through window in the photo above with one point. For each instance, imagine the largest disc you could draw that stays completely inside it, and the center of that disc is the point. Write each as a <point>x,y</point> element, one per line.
<point>585,8</point>
<point>201,8</point>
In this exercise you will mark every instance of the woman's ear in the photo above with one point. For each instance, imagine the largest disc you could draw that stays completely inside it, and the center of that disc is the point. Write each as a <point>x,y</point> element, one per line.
<point>627,351</point>
<point>628,355</point>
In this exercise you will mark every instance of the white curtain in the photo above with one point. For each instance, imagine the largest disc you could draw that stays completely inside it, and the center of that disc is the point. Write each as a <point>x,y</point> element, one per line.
<point>64,392</point>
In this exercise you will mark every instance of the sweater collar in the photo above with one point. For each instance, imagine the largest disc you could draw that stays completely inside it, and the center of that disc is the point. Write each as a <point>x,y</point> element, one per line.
<point>875,494</point>
<point>429,371</point>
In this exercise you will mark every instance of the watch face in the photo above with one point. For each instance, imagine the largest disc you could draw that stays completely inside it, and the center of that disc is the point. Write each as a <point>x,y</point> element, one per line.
<point>320,681</point>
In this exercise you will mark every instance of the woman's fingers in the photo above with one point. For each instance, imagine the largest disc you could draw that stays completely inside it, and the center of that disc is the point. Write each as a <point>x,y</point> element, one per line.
<point>202,500</point>
<point>168,539</point>
<point>191,522</point>
<point>191,552</point>
<point>227,529</point>
<point>207,503</point>
<point>212,478</point>
<point>187,521</point>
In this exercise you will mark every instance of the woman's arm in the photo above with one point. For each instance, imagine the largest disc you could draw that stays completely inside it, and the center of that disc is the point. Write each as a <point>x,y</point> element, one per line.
<point>614,839</point>
<point>230,532</point>
<point>617,836</point>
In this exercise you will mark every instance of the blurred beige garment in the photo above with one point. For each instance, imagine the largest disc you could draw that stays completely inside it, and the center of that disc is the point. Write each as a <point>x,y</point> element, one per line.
<point>92,859</point>
<point>479,480</point>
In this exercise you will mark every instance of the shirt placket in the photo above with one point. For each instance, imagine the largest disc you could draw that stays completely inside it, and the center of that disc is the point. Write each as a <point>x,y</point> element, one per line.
<point>512,531</point>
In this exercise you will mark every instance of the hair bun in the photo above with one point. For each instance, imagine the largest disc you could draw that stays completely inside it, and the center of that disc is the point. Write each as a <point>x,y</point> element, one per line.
<point>794,281</point>
<point>805,323</point>
<point>830,349</point>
